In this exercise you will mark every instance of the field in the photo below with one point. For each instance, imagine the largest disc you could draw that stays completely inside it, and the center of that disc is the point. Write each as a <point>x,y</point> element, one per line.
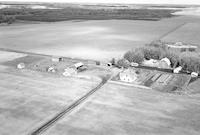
<point>29,98</point>
<point>100,40</point>
<point>189,33</point>
<point>123,110</point>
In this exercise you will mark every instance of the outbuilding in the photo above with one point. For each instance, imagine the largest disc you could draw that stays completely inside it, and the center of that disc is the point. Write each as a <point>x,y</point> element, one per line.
<point>78,65</point>
<point>194,74</point>
<point>21,66</point>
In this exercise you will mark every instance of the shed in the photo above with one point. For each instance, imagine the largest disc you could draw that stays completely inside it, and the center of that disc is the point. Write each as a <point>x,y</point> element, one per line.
<point>78,65</point>
<point>128,75</point>
<point>133,64</point>
<point>21,66</point>
<point>194,74</point>
<point>51,69</point>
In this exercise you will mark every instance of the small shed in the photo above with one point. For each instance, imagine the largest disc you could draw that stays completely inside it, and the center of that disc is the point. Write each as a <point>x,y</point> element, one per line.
<point>128,75</point>
<point>78,65</point>
<point>164,63</point>
<point>194,74</point>
<point>133,64</point>
<point>21,66</point>
<point>51,69</point>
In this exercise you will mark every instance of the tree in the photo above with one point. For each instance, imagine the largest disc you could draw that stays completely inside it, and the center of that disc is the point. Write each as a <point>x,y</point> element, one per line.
<point>136,56</point>
<point>123,63</point>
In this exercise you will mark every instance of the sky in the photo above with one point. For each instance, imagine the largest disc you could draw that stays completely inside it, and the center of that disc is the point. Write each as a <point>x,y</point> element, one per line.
<point>195,2</point>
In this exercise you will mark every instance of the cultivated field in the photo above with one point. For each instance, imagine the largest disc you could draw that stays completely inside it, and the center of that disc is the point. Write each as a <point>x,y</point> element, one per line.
<point>123,110</point>
<point>90,39</point>
<point>28,98</point>
<point>188,33</point>
<point>94,39</point>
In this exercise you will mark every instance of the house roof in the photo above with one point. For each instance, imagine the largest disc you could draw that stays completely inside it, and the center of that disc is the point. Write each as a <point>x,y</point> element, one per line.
<point>79,64</point>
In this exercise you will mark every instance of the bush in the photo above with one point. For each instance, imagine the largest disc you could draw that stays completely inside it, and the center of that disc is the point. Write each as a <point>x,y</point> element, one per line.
<point>136,56</point>
<point>123,63</point>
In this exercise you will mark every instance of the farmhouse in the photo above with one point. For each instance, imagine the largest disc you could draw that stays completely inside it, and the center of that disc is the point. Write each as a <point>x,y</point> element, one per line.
<point>181,47</point>
<point>128,75</point>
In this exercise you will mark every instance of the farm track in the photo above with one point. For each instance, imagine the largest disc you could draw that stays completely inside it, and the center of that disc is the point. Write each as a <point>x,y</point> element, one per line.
<point>42,128</point>
<point>68,109</point>
<point>171,31</point>
<point>43,55</point>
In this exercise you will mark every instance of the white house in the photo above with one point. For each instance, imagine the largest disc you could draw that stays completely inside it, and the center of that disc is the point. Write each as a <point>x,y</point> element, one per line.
<point>128,75</point>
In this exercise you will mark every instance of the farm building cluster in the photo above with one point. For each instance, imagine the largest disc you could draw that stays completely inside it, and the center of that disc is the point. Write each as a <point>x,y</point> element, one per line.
<point>181,47</point>
<point>56,65</point>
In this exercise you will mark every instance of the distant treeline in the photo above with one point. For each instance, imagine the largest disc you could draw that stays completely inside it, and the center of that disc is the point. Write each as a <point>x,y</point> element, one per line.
<point>9,19</point>
<point>9,15</point>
